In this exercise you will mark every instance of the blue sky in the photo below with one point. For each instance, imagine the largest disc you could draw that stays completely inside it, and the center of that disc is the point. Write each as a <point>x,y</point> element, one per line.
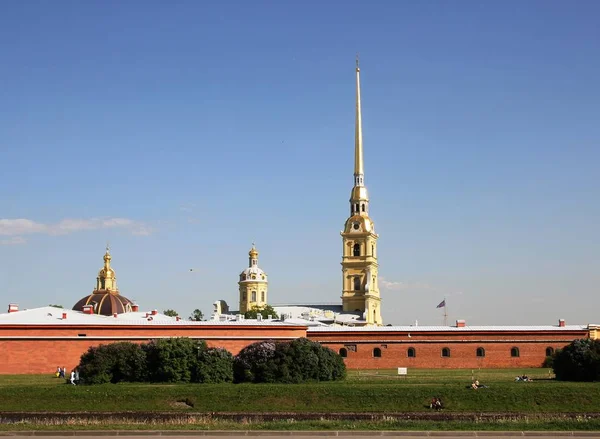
<point>182,131</point>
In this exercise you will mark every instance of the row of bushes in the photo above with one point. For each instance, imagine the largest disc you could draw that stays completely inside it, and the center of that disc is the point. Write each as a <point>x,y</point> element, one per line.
<point>186,360</point>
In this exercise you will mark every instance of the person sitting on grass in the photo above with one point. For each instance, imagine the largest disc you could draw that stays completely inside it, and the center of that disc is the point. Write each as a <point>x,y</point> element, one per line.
<point>436,403</point>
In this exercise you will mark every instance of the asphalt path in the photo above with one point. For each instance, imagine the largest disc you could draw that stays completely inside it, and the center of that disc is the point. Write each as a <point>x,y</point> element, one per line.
<point>306,434</point>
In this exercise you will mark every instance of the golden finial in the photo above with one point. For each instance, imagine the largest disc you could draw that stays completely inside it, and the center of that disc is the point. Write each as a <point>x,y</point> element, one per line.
<point>107,256</point>
<point>253,253</point>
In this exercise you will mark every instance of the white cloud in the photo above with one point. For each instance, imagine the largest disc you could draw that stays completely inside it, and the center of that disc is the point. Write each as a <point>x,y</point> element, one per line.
<point>187,207</point>
<point>401,286</point>
<point>21,226</point>
<point>13,240</point>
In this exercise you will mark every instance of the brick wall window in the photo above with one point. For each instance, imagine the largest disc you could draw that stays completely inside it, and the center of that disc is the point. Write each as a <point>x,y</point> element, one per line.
<point>411,353</point>
<point>549,351</point>
<point>445,352</point>
<point>514,352</point>
<point>480,352</point>
<point>343,352</point>
<point>377,353</point>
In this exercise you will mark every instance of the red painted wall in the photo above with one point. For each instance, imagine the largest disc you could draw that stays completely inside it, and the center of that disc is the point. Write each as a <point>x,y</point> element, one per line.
<point>428,347</point>
<point>41,348</point>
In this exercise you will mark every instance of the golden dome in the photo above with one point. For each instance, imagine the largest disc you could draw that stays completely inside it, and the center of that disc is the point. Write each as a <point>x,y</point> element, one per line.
<point>106,273</point>
<point>359,193</point>
<point>359,223</point>
<point>253,253</point>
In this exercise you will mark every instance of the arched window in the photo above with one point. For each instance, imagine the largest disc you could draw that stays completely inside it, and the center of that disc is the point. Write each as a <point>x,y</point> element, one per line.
<point>343,352</point>
<point>549,352</point>
<point>356,249</point>
<point>253,296</point>
<point>363,207</point>
<point>411,353</point>
<point>377,353</point>
<point>357,283</point>
<point>445,352</point>
<point>514,352</point>
<point>356,209</point>
<point>244,296</point>
<point>480,352</point>
<point>262,296</point>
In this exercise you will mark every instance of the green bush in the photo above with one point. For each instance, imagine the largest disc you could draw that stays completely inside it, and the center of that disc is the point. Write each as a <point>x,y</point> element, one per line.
<point>215,365</point>
<point>578,361</point>
<point>298,361</point>
<point>255,363</point>
<point>173,359</point>
<point>113,363</point>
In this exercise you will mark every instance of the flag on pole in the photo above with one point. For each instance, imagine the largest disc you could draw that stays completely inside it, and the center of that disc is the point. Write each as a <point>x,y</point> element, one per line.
<point>442,304</point>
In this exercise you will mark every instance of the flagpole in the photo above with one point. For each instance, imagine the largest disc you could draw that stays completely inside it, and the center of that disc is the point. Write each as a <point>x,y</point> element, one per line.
<point>445,312</point>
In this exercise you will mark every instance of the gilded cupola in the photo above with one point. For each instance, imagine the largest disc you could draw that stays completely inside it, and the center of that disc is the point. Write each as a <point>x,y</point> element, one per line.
<point>105,299</point>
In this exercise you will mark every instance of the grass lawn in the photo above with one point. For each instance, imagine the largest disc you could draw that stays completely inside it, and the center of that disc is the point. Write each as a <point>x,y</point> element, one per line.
<point>367,391</point>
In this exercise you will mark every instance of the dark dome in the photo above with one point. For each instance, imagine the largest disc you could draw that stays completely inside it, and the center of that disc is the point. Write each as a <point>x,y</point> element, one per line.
<point>105,303</point>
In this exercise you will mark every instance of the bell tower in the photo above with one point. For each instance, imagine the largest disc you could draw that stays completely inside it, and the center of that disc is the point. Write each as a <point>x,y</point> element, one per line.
<point>360,290</point>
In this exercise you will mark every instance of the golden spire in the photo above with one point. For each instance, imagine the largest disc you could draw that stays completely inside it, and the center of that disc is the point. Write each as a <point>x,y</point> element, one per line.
<point>358,145</point>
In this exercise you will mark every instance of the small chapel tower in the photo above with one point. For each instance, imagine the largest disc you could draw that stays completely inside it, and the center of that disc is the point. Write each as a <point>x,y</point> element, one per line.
<point>253,284</point>
<point>360,291</point>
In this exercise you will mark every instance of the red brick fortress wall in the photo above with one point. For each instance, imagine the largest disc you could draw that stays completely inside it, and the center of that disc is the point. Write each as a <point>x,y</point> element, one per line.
<point>393,347</point>
<point>28,349</point>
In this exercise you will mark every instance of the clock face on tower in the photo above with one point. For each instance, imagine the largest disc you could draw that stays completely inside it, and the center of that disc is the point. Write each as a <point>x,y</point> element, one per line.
<point>356,226</point>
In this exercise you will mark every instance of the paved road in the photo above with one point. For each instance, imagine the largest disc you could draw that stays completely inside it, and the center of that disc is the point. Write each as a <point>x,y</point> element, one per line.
<point>307,434</point>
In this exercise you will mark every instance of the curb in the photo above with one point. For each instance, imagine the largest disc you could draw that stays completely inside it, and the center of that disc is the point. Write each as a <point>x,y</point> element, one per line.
<point>305,433</point>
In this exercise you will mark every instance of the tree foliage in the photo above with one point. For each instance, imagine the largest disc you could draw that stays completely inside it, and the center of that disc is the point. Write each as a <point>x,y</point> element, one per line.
<point>578,361</point>
<point>170,313</point>
<point>255,363</point>
<point>265,312</point>
<point>113,363</point>
<point>172,360</point>
<point>197,316</point>
<point>56,306</point>
<point>186,360</point>
<point>215,365</point>
<point>298,361</point>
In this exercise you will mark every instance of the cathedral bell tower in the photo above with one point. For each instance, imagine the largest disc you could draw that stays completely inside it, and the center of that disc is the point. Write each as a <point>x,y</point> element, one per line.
<point>253,284</point>
<point>360,291</point>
